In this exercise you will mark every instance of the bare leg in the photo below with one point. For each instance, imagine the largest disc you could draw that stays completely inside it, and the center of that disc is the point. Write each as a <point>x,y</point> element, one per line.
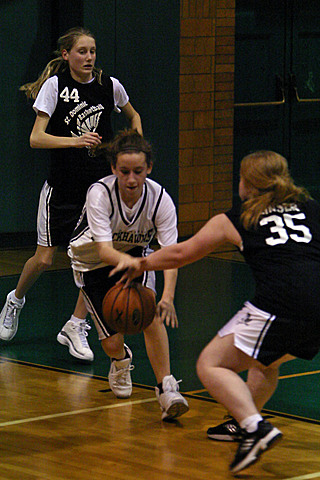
<point>37,264</point>
<point>218,367</point>
<point>113,346</point>
<point>262,384</point>
<point>80,310</point>
<point>157,346</point>
<point>172,403</point>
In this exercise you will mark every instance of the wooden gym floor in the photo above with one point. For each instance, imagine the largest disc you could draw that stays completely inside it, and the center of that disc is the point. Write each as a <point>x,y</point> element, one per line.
<point>60,421</point>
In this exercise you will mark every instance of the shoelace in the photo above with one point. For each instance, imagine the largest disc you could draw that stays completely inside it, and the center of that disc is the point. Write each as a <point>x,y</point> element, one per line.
<point>120,373</point>
<point>82,331</point>
<point>11,315</point>
<point>172,385</point>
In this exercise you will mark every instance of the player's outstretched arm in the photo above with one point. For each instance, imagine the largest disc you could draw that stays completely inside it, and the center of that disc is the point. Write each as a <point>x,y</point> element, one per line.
<point>217,231</point>
<point>111,256</point>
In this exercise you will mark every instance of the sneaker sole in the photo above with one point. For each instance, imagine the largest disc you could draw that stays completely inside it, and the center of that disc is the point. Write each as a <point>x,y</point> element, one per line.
<point>9,337</point>
<point>65,341</point>
<point>174,411</point>
<point>224,438</point>
<point>121,395</point>
<point>12,334</point>
<point>264,444</point>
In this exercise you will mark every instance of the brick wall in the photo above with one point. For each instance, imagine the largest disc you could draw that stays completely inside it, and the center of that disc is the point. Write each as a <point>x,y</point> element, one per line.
<point>206,110</point>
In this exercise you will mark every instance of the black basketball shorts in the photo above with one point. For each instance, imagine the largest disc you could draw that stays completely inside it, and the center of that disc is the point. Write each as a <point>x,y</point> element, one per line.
<point>267,338</point>
<point>56,218</point>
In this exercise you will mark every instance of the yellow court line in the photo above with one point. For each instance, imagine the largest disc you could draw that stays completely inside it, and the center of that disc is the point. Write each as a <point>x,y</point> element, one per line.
<point>305,477</point>
<point>76,412</point>
<point>194,392</point>
<point>299,374</point>
<point>280,378</point>
<point>203,390</point>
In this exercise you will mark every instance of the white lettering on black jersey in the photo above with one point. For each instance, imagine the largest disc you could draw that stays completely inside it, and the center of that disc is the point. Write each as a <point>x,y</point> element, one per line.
<point>283,253</point>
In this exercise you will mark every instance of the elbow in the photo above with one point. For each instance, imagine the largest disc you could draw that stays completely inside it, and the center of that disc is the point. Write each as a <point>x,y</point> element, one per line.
<point>136,123</point>
<point>33,142</point>
<point>137,117</point>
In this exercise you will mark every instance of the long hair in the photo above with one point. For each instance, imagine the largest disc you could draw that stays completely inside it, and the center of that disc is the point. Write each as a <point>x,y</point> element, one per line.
<point>127,141</point>
<point>267,176</point>
<point>58,64</point>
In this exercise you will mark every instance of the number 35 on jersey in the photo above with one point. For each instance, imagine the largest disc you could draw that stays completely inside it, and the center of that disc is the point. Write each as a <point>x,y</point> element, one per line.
<point>287,227</point>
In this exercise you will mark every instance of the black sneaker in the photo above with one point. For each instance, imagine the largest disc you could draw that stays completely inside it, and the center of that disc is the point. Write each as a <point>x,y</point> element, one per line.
<point>228,431</point>
<point>254,444</point>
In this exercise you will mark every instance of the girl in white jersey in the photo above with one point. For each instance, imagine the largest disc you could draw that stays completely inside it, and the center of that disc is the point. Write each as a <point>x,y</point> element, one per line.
<point>122,214</point>
<point>76,99</point>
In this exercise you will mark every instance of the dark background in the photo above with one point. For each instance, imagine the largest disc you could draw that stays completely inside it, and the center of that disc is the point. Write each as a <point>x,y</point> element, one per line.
<point>137,42</point>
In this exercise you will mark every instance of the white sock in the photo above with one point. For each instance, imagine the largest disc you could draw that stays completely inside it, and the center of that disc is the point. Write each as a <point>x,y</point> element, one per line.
<point>250,424</point>
<point>15,299</point>
<point>76,319</point>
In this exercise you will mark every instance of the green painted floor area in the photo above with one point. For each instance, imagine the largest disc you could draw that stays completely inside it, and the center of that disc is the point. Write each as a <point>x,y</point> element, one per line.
<point>208,293</point>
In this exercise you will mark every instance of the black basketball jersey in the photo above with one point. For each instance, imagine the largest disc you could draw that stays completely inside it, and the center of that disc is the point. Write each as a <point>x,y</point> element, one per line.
<point>283,253</point>
<point>80,108</point>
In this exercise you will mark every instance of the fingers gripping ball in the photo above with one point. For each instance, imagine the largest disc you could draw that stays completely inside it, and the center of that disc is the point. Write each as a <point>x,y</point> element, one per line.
<point>129,310</point>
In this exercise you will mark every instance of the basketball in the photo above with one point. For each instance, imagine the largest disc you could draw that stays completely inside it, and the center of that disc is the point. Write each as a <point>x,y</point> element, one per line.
<point>129,310</point>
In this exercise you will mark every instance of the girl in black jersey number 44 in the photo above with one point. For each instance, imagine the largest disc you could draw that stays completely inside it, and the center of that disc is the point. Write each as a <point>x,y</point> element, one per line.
<point>277,229</point>
<point>123,213</point>
<point>75,99</point>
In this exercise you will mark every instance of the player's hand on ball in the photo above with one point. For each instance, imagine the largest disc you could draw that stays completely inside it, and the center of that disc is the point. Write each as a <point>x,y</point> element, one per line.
<point>128,310</point>
<point>167,313</point>
<point>131,267</point>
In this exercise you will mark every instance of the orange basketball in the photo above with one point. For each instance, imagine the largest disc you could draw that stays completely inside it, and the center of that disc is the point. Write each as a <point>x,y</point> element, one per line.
<point>129,310</point>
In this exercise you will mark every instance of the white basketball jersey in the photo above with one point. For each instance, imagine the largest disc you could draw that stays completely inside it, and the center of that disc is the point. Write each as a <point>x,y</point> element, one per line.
<point>106,218</point>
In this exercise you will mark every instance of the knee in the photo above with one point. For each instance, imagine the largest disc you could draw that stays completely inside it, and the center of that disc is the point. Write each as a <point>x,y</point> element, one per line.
<point>208,360</point>
<point>42,260</point>
<point>154,326</point>
<point>44,264</point>
<point>201,365</point>
<point>113,346</point>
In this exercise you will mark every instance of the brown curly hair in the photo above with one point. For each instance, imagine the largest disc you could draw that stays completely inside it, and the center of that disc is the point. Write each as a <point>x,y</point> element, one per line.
<point>128,140</point>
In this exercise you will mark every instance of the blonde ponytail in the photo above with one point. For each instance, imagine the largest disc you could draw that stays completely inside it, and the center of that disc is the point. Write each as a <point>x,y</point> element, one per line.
<point>53,67</point>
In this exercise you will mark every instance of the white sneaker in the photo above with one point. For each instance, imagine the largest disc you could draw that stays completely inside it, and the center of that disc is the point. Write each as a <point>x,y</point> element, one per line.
<point>9,317</point>
<point>119,376</point>
<point>74,335</point>
<point>172,403</point>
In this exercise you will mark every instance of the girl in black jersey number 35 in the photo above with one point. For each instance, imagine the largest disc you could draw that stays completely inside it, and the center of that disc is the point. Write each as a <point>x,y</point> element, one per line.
<point>277,229</point>
<point>75,99</point>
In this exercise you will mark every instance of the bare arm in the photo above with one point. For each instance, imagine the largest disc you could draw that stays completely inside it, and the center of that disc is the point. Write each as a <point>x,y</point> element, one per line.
<point>111,256</point>
<point>133,117</point>
<point>215,232</point>
<point>165,308</point>
<point>39,138</point>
